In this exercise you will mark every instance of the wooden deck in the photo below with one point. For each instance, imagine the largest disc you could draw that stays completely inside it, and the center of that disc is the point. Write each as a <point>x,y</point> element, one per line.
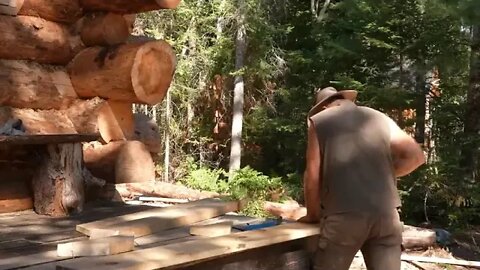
<point>29,241</point>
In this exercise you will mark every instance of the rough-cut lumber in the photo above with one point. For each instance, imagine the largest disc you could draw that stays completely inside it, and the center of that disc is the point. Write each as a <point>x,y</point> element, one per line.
<point>32,38</point>
<point>26,84</point>
<point>162,189</point>
<point>128,6</point>
<point>134,164</point>
<point>63,11</point>
<point>96,247</point>
<point>46,139</point>
<point>39,122</point>
<point>196,250</point>
<point>10,7</point>
<point>212,230</point>
<point>106,29</point>
<point>135,73</point>
<point>102,233</point>
<point>148,132</point>
<point>414,237</point>
<point>154,220</point>
<point>113,121</point>
<point>58,183</point>
<point>120,161</point>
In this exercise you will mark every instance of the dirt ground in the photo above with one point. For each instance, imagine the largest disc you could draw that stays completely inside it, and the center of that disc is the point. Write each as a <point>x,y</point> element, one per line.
<point>465,246</point>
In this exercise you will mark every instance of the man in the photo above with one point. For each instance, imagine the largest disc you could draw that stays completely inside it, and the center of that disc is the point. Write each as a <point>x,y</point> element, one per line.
<point>354,155</point>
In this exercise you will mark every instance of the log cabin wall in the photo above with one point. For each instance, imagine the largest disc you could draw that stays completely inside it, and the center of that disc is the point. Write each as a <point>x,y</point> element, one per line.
<point>66,68</point>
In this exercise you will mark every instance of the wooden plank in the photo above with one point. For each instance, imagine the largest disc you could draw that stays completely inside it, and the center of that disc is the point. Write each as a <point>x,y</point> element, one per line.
<point>213,229</point>
<point>48,139</point>
<point>155,220</point>
<point>195,250</point>
<point>96,247</point>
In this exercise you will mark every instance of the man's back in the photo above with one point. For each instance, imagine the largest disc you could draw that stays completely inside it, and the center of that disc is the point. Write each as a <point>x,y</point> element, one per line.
<point>356,165</point>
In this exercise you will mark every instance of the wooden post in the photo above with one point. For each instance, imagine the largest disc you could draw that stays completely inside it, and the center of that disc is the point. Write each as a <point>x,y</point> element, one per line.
<point>58,183</point>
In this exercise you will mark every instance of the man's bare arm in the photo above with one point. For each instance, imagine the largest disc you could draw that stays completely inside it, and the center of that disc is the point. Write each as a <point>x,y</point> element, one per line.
<point>311,178</point>
<point>407,155</point>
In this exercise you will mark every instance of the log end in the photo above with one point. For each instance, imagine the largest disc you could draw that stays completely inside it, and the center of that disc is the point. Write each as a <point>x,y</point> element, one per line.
<point>168,4</point>
<point>152,71</point>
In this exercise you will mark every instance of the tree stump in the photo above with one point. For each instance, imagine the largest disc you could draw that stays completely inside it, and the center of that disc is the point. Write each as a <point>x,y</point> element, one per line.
<point>58,181</point>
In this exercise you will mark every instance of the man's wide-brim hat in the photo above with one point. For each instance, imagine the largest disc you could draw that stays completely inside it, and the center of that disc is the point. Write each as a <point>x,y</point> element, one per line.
<point>323,96</point>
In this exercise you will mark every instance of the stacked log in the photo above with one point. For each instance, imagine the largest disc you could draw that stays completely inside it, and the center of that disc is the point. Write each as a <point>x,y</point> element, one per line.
<point>68,67</point>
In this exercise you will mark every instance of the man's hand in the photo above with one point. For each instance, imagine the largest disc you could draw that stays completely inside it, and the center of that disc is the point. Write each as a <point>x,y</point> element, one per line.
<point>308,219</point>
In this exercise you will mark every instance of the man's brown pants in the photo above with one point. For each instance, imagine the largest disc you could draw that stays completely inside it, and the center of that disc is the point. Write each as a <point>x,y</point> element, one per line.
<point>378,236</point>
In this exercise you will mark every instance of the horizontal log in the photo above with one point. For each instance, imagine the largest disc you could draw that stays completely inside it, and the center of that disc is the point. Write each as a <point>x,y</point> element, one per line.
<point>162,189</point>
<point>25,84</point>
<point>32,38</point>
<point>63,11</point>
<point>135,73</point>
<point>128,6</point>
<point>39,122</point>
<point>106,29</point>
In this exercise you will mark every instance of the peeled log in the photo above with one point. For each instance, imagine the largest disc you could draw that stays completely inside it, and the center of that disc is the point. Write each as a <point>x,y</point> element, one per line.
<point>113,121</point>
<point>63,11</point>
<point>105,29</point>
<point>128,6</point>
<point>30,85</point>
<point>31,38</point>
<point>119,161</point>
<point>39,122</point>
<point>134,164</point>
<point>135,73</point>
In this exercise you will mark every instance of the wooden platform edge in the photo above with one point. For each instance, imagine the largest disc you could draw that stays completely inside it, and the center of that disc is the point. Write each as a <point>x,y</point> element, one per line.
<point>195,250</point>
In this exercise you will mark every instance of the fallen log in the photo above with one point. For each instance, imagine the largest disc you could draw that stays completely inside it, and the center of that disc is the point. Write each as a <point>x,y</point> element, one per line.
<point>127,6</point>
<point>32,38</point>
<point>119,161</point>
<point>110,119</point>
<point>58,183</point>
<point>162,189</point>
<point>25,84</point>
<point>63,11</point>
<point>106,29</point>
<point>135,73</point>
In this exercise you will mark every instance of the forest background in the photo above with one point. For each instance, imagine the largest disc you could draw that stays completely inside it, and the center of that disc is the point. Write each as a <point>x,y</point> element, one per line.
<point>247,71</point>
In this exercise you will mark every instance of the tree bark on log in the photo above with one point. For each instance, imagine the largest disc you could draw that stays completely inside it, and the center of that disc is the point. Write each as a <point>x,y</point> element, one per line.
<point>106,29</point>
<point>135,73</point>
<point>63,11</point>
<point>39,122</point>
<point>31,38</point>
<point>119,161</point>
<point>26,84</point>
<point>112,120</point>
<point>127,6</point>
<point>58,183</point>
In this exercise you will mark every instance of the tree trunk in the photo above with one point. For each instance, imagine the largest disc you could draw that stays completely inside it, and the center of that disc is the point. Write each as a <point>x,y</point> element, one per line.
<point>420,108</point>
<point>39,122</point>
<point>472,117</point>
<point>63,11</point>
<point>58,183</point>
<point>31,85</point>
<point>136,73</point>
<point>120,161</point>
<point>106,29</point>
<point>238,97</point>
<point>128,6</point>
<point>166,161</point>
<point>31,38</point>
<point>112,120</point>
